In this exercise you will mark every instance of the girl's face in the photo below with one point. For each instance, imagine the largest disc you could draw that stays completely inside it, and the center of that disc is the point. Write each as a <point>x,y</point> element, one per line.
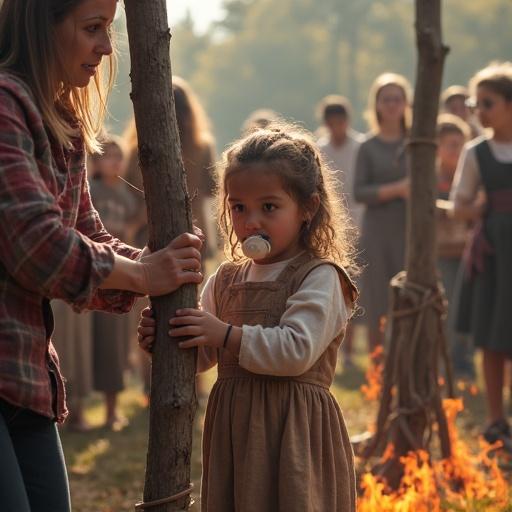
<point>259,205</point>
<point>391,103</point>
<point>494,111</point>
<point>83,39</point>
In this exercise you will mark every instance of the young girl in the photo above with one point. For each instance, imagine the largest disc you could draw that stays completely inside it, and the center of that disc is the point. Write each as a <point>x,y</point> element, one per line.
<point>381,184</point>
<point>52,243</point>
<point>487,163</point>
<point>274,437</point>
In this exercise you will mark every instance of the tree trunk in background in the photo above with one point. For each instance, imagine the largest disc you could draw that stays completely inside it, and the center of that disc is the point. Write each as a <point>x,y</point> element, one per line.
<point>173,400</point>
<point>422,253</point>
<point>411,400</point>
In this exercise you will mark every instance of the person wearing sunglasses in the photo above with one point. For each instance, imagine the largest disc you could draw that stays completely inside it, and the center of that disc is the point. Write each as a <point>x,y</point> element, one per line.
<point>486,298</point>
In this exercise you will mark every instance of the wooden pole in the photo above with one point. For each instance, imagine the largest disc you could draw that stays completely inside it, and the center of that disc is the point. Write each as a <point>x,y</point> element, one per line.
<point>173,399</point>
<point>411,399</point>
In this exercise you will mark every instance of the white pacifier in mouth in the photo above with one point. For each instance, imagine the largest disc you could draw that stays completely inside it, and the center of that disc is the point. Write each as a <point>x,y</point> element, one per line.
<point>256,247</point>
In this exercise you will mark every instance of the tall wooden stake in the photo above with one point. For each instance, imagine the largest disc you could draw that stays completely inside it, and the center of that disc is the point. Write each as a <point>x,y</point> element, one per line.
<point>173,400</point>
<point>411,399</point>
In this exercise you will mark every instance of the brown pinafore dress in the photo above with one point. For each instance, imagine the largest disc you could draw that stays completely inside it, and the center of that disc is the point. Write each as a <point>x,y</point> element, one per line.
<point>274,444</point>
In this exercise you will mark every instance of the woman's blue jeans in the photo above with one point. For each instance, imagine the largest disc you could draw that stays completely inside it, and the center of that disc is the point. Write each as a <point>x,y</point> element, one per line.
<point>33,474</point>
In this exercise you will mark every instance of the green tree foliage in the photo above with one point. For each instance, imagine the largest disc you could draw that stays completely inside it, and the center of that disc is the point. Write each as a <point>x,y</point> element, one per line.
<point>477,33</point>
<point>187,47</point>
<point>287,55</point>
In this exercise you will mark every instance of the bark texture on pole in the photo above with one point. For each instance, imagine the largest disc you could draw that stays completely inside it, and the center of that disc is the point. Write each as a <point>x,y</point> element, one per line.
<point>422,256</point>
<point>411,397</point>
<point>173,400</point>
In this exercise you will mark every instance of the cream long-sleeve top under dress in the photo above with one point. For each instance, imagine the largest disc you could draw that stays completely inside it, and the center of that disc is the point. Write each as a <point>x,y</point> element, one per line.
<point>274,436</point>
<point>315,314</point>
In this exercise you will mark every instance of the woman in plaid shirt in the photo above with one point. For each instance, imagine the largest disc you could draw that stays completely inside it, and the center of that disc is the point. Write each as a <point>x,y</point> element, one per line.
<point>52,242</point>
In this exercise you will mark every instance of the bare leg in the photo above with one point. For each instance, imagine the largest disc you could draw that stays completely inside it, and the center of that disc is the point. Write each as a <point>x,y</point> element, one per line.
<point>493,365</point>
<point>111,405</point>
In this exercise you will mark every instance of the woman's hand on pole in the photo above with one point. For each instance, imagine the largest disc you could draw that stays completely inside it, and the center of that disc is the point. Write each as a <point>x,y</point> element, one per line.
<point>179,263</point>
<point>160,272</point>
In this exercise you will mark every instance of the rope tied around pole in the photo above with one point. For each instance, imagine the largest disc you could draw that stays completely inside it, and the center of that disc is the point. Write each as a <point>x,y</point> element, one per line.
<point>163,501</point>
<point>421,140</point>
<point>401,397</point>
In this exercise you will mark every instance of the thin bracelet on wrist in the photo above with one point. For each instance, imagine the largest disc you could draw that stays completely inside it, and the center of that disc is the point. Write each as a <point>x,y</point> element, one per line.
<point>226,337</point>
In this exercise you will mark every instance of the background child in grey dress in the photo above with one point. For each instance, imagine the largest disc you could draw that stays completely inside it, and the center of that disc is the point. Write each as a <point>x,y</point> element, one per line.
<point>116,207</point>
<point>72,338</point>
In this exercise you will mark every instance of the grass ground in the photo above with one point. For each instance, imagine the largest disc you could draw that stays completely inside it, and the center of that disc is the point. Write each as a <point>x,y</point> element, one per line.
<point>106,469</point>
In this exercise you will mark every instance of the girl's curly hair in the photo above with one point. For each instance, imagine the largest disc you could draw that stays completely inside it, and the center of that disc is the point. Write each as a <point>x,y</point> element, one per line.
<point>289,151</point>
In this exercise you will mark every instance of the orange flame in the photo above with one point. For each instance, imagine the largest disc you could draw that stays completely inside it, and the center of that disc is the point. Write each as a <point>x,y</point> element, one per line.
<point>465,481</point>
<point>417,491</point>
<point>371,390</point>
<point>469,478</point>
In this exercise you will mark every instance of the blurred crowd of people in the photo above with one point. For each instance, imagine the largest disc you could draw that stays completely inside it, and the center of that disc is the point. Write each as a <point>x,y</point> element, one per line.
<point>474,191</point>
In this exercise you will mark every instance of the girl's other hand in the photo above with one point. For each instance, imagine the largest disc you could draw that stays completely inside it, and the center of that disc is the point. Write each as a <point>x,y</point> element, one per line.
<point>146,330</point>
<point>204,328</point>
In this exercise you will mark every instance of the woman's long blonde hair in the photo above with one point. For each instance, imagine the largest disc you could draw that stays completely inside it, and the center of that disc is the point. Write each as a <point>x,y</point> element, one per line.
<point>193,126</point>
<point>28,51</point>
<point>290,152</point>
<point>372,116</point>
<point>193,122</point>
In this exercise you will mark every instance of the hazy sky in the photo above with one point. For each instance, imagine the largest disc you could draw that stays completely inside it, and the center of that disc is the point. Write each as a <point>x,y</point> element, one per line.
<point>203,11</point>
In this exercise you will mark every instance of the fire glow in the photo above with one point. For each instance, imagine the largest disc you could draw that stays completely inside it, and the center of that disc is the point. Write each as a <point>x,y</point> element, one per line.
<point>466,481</point>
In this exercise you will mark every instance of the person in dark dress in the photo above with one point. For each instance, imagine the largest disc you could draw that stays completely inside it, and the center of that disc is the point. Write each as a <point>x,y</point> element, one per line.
<point>485,308</point>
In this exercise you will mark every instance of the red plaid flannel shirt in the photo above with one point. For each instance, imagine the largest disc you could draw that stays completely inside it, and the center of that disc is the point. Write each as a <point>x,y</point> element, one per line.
<point>52,245</point>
